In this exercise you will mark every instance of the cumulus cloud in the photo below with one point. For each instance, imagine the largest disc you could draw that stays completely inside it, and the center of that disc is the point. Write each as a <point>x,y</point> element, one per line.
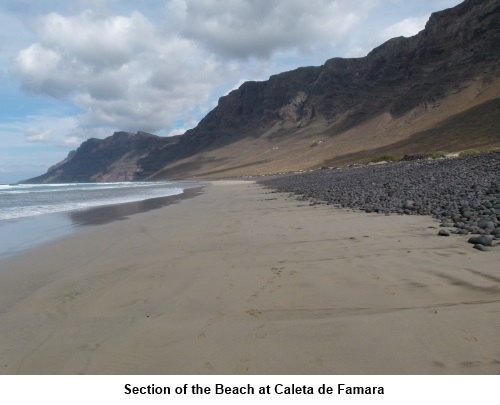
<point>37,65</point>
<point>120,71</point>
<point>97,42</point>
<point>36,135</point>
<point>406,28</point>
<point>131,72</point>
<point>259,28</point>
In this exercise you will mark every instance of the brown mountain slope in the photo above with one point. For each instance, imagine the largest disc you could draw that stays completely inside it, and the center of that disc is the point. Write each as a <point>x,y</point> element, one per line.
<point>457,123</point>
<point>352,109</point>
<point>438,90</point>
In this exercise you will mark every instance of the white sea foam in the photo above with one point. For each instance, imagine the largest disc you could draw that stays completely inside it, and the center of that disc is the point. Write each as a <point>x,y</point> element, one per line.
<point>27,200</point>
<point>45,188</point>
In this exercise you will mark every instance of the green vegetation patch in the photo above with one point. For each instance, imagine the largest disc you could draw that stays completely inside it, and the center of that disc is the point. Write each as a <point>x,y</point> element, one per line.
<point>438,155</point>
<point>384,158</point>
<point>468,152</point>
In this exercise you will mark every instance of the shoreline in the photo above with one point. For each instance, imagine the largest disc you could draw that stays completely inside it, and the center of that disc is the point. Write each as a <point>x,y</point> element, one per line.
<point>32,232</point>
<point>241,280</point>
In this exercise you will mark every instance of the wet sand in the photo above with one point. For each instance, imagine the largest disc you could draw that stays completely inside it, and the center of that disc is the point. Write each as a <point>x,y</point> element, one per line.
<point>242,281</point>
<point>23,233</point>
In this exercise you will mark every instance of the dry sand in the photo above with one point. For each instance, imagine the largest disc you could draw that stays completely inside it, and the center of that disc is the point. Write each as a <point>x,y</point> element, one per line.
<point>239,280</point>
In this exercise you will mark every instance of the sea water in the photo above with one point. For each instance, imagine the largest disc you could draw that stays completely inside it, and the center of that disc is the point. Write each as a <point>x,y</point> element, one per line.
<point>35,213</point>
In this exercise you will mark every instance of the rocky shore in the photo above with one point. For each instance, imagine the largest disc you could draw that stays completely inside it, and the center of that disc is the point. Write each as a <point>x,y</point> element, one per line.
<point>463,193</point>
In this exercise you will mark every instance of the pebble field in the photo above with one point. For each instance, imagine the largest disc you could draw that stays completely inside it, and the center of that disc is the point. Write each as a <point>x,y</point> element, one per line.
<point>463,193</point>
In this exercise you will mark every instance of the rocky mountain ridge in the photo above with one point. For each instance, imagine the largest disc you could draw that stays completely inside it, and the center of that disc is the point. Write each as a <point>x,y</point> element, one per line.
<point>396,99</point>
<point>124,156</point>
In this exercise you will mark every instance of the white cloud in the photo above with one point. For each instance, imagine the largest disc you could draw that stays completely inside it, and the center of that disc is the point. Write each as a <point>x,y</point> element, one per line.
<point>95,41</point>
<point>357,52</point>
<point>30,145</point>
<point>259,28</point>
<point>72,141</point>
<point>406,28</point>
<point>47,128</point>
<point>188,123</point>
<point>130,72</point>
<point>36,134</point>
<point>75,136</point>
<point>109,68</point>
<point>120,71</point>
<point>125,72</point>
<point>37,66</point>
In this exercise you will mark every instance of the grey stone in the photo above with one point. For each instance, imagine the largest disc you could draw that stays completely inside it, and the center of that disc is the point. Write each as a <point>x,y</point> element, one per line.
<point>482,248</point>
<point>484,240</point>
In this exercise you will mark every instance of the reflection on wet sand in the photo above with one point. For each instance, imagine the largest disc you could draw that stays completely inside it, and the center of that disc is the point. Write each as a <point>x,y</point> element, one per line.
<point>109,213</point>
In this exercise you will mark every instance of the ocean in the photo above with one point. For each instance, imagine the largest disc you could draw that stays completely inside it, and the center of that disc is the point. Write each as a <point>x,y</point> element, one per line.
<point>35,213</point>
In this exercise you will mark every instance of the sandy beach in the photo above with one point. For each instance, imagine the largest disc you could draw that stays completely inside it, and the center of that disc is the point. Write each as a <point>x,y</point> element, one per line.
<point>239,280</point>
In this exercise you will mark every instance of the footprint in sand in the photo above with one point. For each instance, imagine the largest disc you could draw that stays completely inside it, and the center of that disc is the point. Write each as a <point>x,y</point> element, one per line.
<point>469,338</point>
<point>389,291</point>
<point>317,362</point>
<point>253,296</point>
<point>139,301</point>
<point>241,369</point>
<point>92,346</point>
<point>277,271</point>
<point>216,318</point>
<point>254,312</point>
<point>208,366</point>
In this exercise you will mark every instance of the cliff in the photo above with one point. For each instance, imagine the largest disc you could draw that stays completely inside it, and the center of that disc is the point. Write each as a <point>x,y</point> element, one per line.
<point>409,95</point>
<point>124,156</point>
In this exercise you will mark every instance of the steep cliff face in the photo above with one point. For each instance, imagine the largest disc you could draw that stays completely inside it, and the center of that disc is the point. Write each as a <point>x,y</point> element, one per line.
<point>402,88</point>
<point>456,46</point>
<point>121,157</point>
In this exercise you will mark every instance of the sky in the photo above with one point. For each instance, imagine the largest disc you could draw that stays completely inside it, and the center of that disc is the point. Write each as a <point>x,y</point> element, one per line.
<point>77,69</point>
